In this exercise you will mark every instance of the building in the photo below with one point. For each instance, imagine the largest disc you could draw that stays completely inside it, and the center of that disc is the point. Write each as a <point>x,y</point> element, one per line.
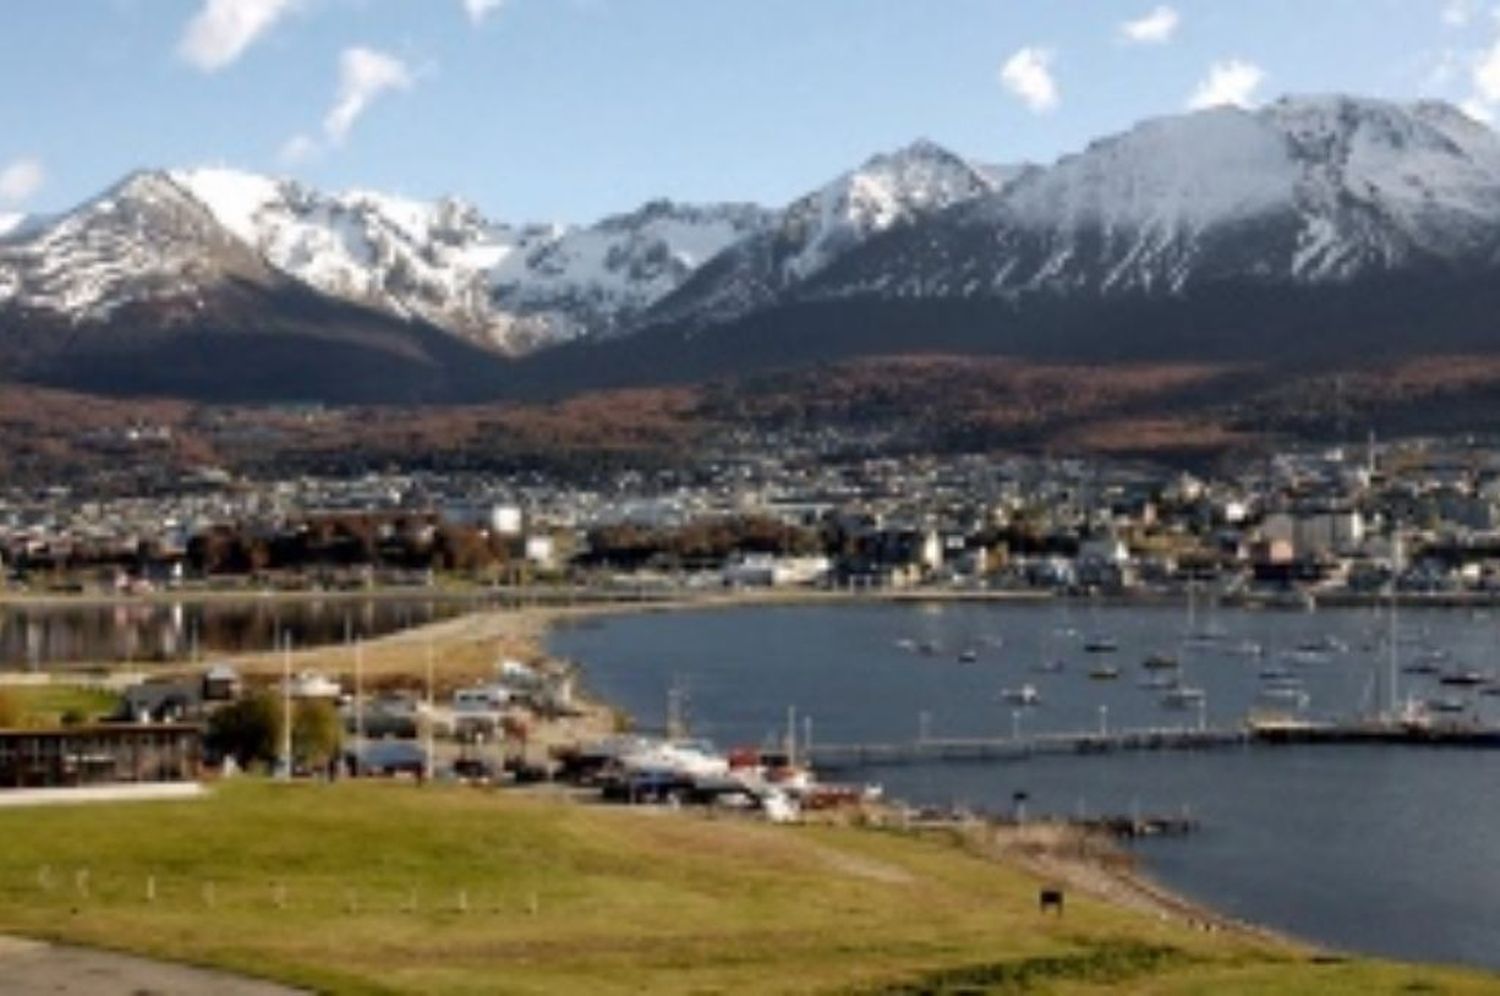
<point>100,755</point>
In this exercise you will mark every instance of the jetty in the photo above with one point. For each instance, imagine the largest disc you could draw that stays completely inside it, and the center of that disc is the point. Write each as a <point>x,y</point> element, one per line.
<point>855,755</point>
<point>834,756</point>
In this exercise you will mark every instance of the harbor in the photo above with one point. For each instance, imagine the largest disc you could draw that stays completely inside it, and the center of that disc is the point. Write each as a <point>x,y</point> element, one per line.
<point>883,697</point>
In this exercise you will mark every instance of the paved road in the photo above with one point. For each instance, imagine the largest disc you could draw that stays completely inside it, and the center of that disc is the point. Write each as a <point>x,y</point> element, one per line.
<point>31,967</point>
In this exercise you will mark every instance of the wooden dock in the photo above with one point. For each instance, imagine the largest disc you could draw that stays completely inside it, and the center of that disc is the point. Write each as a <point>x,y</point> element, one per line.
<point>834,756</point>
<point>859,755</point>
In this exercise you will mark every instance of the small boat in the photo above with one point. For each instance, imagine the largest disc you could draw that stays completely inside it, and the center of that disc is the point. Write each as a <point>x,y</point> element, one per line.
<point>994,641</point>
<point>1100,645</point>
<point>930,647</point>
<point>1026,695</point>
<point>1183,698</point>
<point>1246,648</point>
<point>1160,662</point>
<point>1160,682</point>
<point>1294,698</point>
<point>1054,666</point>
<point>1447,704</point>
<point>1303,657</point>
<point>1104,672</point>
<point>1276,672</point>
<point>1491,689</point>
<point>968,656</point>
<point>1290,681</point>
<point>1422,665</point>
<point>1324,645</point>
<point>906,643</point>
<point>1465,678</point>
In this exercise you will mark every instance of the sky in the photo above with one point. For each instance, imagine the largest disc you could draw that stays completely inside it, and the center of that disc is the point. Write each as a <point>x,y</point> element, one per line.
<point>569,110</point>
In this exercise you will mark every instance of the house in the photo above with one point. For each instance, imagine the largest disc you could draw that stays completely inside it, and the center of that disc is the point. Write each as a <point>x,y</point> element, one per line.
<point>100,755</point>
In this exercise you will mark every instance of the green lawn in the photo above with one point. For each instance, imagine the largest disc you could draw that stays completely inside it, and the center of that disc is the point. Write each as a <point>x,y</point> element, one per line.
<point>568,898</point>
<point>46,705</point>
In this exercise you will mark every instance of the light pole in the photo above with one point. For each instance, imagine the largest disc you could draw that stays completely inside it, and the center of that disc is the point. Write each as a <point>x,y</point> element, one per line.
<point>427,765</point>
<point>286,705</point>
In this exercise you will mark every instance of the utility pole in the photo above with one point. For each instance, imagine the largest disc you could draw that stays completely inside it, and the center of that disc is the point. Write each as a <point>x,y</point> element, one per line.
<point>359,706</point>
<point>286,705</point>
<point>427,765</point>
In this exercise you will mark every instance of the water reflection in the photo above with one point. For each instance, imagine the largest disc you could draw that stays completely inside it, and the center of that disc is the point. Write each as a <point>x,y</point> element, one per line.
<point>39,636</point>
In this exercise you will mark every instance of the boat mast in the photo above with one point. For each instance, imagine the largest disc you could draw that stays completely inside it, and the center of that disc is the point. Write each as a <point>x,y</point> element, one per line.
<point>1391,655</point>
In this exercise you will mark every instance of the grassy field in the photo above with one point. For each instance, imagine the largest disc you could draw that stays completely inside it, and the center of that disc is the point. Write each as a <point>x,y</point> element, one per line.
<point>47,705</point>
<point>392,888</point>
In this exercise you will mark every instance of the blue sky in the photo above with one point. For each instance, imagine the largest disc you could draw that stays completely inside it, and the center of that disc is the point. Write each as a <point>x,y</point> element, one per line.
<point>571,109</point>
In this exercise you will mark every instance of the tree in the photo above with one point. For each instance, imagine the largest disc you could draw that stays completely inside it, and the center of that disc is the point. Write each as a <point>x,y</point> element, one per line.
<point>317,733</point>
<point>12,712</point>
<point>248,730</point>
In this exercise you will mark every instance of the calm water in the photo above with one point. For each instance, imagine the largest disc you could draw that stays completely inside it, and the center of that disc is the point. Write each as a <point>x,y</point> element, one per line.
<point>44,635</point>
<point>1387,850</point>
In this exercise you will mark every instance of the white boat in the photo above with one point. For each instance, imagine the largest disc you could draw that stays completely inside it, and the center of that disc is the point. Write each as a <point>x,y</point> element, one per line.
<point>1026,695</point>
<point>1183,698</point>
<point>1286,697</point>
<point>683,758</point>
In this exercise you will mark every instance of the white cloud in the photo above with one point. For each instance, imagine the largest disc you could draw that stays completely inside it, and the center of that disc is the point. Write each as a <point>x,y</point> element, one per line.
<point>1478,110</point>
<point>21,179</point>
<point>1485,75</point>
<point>1028,75</point>
<point>222,30</point>
<point>297,150</point>
<point>1458,13</point>
<point>1233,81</point>
<point>364,74</point>
<point>1155,28</point>
<point>478,10</point>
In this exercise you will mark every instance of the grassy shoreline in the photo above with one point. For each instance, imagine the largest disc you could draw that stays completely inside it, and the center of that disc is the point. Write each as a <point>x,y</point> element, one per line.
<point>386,888</point>
<point>467,645</point>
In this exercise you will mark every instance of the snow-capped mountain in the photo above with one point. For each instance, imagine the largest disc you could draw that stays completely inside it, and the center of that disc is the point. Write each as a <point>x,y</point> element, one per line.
<point>12,224</point>
<point>596,281</point>
<point>889,190</point>
<point>511,288</point>
<point>1334,224</point>
<point>145,241</point>
<point>1306,190</point>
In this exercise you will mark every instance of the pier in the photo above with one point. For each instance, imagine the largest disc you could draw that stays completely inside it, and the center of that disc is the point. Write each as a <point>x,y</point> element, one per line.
<point>847,755</point>
<point>833,756</point>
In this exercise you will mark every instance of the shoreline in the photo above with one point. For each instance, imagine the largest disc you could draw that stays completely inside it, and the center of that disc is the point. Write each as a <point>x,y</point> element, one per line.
<point>469,644</point>
<point>1091,863</point>
<point>1051,851</point>
<point>647,595</point>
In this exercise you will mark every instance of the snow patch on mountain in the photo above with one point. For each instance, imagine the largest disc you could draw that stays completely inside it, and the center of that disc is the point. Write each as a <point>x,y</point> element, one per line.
<point>145,241</point>
<point>886,192</point>
<point>1305,190</point>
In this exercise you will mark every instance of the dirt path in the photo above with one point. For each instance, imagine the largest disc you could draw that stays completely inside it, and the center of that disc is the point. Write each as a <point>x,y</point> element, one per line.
<point>1098,868</point>
<point>37,967</point>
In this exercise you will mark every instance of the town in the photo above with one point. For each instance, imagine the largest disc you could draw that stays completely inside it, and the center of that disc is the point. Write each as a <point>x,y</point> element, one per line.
<point>1415,517</point>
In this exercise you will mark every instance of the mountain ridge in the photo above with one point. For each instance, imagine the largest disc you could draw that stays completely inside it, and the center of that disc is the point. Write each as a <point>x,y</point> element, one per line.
<point>1314,229</point>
